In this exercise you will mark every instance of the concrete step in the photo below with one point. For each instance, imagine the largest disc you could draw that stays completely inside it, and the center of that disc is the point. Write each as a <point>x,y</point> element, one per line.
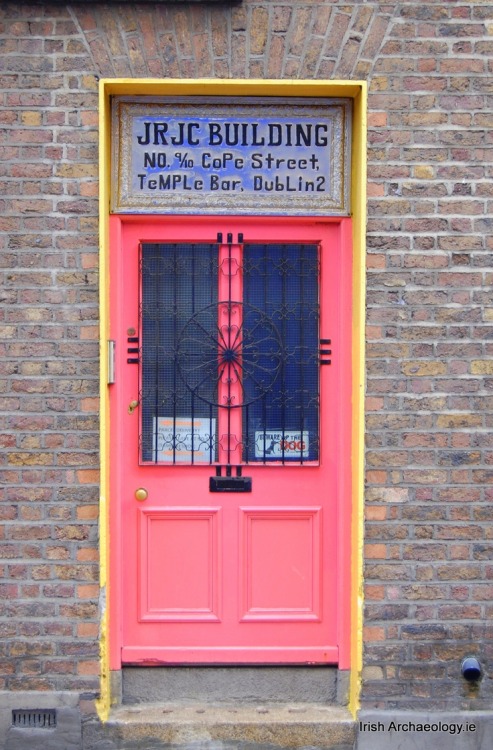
<point>235,684</point>
<point>207,726</point>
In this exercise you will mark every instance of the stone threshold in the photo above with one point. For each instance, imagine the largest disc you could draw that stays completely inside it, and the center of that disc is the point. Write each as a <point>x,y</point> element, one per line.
<point>205,725</point>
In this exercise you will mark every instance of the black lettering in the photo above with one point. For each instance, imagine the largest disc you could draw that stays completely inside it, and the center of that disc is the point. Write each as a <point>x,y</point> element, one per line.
<point>257,161</point>
<point>256,141</point>
<point>236,134</point>
<point>151,159</point>
<point>185,135</point>
<point>304,133</point>
<point>192,141</point>
<point>288,134</point>
<point>275,134</point>
<point>231,135</point>
<point>319,139</point>
<point>160,128</point>
<point>215,137</point>
<point>244,134</point>
<point>179,139</point>
<point>144,140</point>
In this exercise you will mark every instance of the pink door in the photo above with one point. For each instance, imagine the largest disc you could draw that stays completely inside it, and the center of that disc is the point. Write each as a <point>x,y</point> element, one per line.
<point>230,439</point>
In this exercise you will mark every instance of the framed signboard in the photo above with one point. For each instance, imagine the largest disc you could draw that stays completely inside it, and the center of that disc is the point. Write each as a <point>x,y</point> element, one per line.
<point>248,156</point>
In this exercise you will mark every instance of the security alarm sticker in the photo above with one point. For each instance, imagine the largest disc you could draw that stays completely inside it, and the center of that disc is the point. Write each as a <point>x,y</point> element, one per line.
<point>184,440</point>
<point>280,444</point>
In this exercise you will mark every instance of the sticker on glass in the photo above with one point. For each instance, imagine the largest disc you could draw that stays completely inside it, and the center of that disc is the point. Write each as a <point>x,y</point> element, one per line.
<point>281,444</point>
<point>184,440</point>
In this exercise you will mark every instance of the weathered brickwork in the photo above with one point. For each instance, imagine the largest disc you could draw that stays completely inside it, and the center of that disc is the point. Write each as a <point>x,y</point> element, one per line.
<point>49,617</point>
<point>429,437</point>
<point>429,490</point>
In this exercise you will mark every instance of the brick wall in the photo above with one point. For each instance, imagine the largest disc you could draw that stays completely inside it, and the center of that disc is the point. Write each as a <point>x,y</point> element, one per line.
<point>430,374</point>
<point>429,412</point>
<point>49,353</point>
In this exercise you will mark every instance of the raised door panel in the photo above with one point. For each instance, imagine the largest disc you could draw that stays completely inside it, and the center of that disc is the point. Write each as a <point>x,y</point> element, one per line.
<point>281,563</point>
<point>179,564</point>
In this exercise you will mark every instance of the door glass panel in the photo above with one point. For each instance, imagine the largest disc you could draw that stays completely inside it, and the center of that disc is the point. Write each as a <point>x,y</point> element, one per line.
<point>280,286</point>
<point>230,377</point>
<point>178,285</point>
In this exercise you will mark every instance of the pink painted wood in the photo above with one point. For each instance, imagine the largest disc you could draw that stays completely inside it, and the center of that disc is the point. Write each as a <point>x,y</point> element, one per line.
<point>231,578</point>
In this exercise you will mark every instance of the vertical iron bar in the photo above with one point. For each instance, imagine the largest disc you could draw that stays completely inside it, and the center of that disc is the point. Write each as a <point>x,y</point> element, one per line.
<point>175,308</point>
<point>246,438</point>
<point>211,454</point>
<point>192,397</point>
<point>156,357</point>
<point>301,365</point>
<point>213,252</point>
<point>265,406</point>
<point>283,371</point>
<point>243,414</point>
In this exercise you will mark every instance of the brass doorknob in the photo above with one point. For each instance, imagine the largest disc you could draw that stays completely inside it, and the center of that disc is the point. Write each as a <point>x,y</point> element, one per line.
<point>141,494</point>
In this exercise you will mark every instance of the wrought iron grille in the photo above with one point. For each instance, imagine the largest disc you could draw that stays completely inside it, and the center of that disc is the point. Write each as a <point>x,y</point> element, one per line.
<point>204,358</point>
<point>281,280</point>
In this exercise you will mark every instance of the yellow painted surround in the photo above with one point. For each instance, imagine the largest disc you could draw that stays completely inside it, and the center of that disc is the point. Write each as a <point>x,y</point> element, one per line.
<point>357,90</point>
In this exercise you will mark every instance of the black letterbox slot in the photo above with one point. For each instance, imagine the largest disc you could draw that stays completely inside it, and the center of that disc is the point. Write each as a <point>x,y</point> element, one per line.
<point>230,484</point>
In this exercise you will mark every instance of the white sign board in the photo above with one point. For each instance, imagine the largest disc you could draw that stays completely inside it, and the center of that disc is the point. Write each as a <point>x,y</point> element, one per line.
<point>184,440</point>
<point>278,444</point>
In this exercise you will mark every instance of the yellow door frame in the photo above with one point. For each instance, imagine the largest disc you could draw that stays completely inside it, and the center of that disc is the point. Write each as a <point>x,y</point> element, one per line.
<point>357,91</point>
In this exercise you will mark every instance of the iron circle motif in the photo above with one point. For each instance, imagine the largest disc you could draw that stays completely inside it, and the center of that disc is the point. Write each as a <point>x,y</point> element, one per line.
<point>229,354</point>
